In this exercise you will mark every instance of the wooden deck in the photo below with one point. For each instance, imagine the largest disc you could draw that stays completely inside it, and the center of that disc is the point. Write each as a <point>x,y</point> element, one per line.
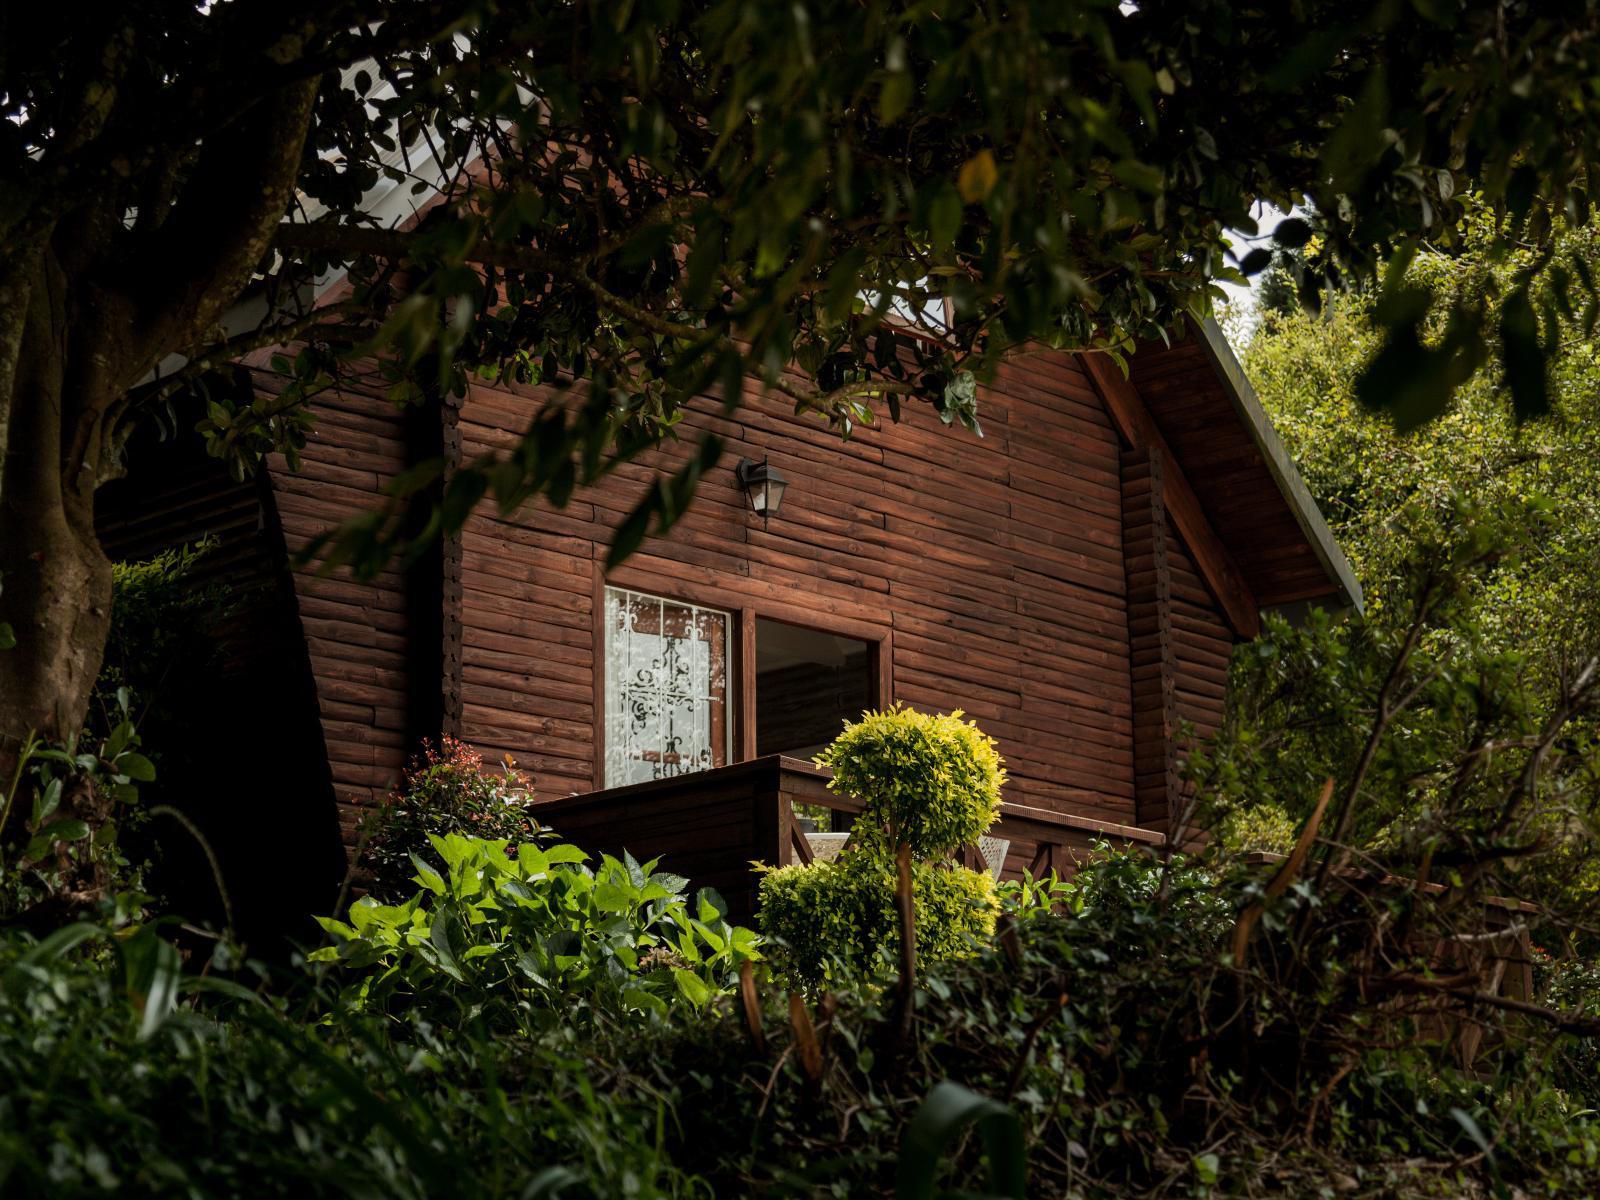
<point>713,825</point>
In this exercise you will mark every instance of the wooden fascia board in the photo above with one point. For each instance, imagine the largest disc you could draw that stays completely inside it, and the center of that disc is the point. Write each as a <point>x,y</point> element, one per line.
<point>1215,564</point>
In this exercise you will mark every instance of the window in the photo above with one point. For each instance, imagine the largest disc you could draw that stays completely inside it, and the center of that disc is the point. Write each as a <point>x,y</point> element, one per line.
<point>666,690</point>
<point>808,684</point>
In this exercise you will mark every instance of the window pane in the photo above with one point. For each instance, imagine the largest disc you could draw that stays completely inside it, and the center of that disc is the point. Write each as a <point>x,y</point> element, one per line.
<point>666,688</point>
<point>807,685</point>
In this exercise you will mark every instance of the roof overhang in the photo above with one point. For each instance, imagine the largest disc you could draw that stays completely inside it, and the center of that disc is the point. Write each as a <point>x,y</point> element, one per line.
<point>1233,493</point>
<point>1275,457</point>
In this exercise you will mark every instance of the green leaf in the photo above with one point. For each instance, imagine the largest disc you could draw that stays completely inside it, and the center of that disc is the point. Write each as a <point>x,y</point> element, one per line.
<point>136,766</point>
<point>1292,232</point>
<point>894,97</point>
<point>427,876</point>
<point>46,801</point>
<point>937,1129</point>
<point>944,217</point>
<point>439,939</point>
<point>631,533</point>
<point>710,905</point>
<point>8,636</point>
<point>1470,1126</point>
<point>68,829</point>
<point>153,971</point>
<point>711,938</point>
<point>1255,262</point>
<point>695,990</point>
<point>336,927</point>
<point>612,898</point>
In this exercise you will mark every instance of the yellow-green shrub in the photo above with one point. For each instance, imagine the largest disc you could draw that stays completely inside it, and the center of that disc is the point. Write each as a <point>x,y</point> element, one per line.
<point>932,781</point>
<point>837,915</point>
<point>1260,827</point>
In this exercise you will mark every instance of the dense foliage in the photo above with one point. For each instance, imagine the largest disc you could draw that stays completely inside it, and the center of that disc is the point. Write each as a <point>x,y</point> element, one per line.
<point>665,199</point>
<point>1457,716</point>
<point>838,919</point>
<point>211,1086</point>
<point>1386,492</point>
<point>510,935</point>
<point>164,613</point>
<point>62,815</point>
<point>445,790</point>
<point>1134,1056</point>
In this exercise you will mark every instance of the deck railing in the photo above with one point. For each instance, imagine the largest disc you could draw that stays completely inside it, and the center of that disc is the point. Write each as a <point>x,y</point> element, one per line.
<point>713,825</point>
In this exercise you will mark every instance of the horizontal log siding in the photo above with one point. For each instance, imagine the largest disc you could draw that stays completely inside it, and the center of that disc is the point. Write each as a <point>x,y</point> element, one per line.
<point>355,630</point>
<point>992,566</point>
<point>1201,645</point>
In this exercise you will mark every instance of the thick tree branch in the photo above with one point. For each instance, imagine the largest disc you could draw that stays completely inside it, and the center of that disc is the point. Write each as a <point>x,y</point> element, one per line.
<point>223,222</point>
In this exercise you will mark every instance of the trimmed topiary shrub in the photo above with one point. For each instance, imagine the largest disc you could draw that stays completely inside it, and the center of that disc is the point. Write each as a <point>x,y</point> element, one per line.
<point>835,918</point>
<point>929,783</point>
<point>446,791</point>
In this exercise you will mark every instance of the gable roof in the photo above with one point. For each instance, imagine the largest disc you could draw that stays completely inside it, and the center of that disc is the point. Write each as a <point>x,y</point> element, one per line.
<point>1249,488</point>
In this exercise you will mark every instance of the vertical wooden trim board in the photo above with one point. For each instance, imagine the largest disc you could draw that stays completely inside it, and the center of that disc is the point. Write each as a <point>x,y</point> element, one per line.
<point>1154,664</point>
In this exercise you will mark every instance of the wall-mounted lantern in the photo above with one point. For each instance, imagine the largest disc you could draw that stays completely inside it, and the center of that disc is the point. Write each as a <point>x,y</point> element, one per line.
<point>763,487</point>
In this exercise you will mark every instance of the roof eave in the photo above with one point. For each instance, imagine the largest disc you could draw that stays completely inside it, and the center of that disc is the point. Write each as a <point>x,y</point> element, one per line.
<point>1276,457</point>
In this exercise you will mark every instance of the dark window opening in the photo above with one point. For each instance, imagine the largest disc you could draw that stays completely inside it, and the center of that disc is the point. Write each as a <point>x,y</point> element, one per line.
<point>807,685</point>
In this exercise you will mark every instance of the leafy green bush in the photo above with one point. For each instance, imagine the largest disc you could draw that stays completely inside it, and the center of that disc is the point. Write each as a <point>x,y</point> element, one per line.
<point>1136,1059</point>
<point>1140,1062</point>
<point>528,936</point>
<point>836,918</point>
<point>930,781</point>
<point>1573,985</point>
<point>62,817</point>
<point>160,617</point>
<point>445,791</point>
<point>125,1075</point>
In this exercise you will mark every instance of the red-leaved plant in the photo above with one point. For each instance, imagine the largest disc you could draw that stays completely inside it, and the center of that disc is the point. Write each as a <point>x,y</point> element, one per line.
<point>446,790</point>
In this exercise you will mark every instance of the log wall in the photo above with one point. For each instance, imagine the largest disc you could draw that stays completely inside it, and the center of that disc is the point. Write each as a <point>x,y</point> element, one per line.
<point>989,572</point>
<point>1029,577</point>
<point>1179,644</point>
<point>355,630</point>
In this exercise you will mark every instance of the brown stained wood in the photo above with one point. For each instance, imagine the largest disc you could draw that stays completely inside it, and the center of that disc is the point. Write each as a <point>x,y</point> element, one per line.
<point>710,826</point>
<point>1154,661</point>
<point>1211,556</point>
<point>800,845</point>
<point>1006,575</point>
<point>745,666</point>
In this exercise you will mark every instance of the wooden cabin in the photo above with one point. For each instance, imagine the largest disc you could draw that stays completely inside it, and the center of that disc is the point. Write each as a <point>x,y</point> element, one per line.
<point>1074,580</point>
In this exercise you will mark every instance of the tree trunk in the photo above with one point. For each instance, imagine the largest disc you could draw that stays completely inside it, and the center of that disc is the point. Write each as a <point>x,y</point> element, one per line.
<point>88,306</point>
<point>55,582</point>
<point>57,598</point>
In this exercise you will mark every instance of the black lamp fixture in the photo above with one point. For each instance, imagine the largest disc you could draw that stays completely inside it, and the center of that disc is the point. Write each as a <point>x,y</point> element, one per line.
<point>763,487</point>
